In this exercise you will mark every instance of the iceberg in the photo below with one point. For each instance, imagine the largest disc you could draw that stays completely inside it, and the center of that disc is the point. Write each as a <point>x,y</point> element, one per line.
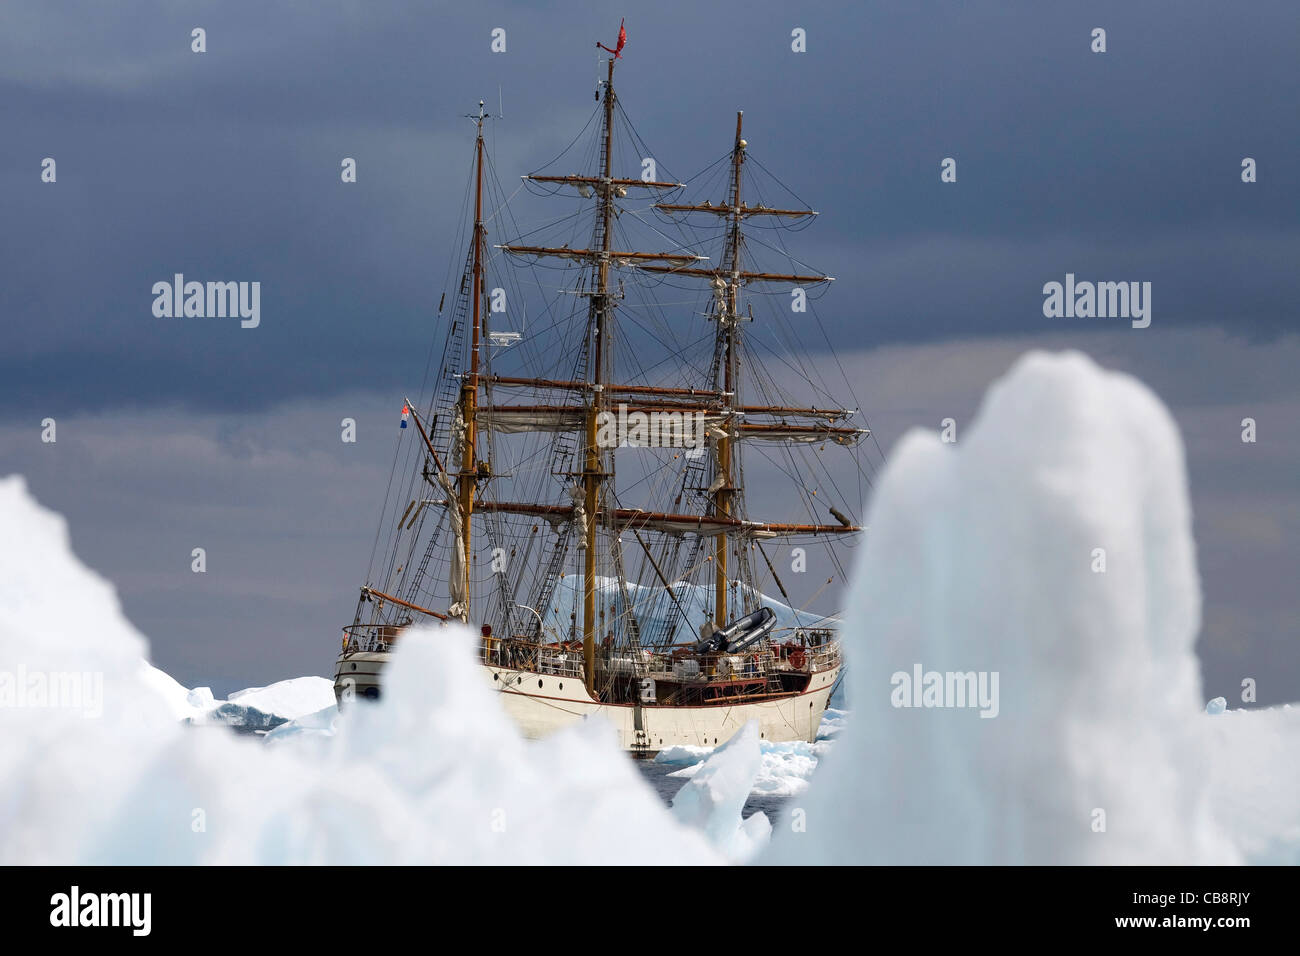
<point>1051,546</point>
<point>264,708</point>
<point>713,800</point>
<point>434,772</point>
<point>319,724</point>
<point>785,767</point>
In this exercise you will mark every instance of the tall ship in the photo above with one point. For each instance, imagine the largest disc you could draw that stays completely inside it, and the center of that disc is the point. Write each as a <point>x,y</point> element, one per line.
<point>569,482</point>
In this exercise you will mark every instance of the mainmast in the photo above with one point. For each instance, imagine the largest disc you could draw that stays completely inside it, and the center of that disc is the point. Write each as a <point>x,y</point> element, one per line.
<point>602,256</point>
<point>591,398</point>
<point>593,472</point>
<point>468,476</point>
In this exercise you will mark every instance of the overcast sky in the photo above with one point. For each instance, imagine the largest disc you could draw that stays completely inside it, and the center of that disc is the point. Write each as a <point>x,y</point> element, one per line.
<point>225,165</point>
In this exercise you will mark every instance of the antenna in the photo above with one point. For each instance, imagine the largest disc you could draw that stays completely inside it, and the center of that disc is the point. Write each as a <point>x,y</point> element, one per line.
<point>501,109</point>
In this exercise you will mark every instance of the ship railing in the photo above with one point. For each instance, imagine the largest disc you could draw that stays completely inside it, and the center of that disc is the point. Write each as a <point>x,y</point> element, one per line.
<point>680,663</point>
<point>817,651</point>
<point>369,637</point>
<point>560,660</point>
<point>820,646</point>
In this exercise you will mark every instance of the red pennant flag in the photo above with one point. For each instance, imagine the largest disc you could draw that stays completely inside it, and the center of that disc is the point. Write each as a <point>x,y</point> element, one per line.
<point>622,39</point>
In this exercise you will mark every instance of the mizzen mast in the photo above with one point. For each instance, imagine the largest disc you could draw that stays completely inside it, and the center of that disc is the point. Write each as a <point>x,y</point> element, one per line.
<point>727,331</point>
<point>726,281</point>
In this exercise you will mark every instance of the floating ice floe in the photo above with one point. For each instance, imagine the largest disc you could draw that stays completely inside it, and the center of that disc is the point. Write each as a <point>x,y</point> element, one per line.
<point>712,800</point>
<point>785,767</point>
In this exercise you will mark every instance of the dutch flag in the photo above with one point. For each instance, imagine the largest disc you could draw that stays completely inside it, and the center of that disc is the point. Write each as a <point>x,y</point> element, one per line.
<point>406,414</point>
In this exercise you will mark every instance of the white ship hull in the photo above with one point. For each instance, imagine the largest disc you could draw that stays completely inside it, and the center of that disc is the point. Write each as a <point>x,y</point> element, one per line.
<point>543,703</point>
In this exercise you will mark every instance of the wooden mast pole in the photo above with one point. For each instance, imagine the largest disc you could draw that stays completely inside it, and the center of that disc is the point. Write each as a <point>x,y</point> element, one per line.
<point>469,386</point>
<point>728,320</point>
<point>592,475</point>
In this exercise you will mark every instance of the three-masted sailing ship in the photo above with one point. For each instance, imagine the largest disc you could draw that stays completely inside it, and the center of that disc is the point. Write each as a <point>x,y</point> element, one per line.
<point>575,492</point>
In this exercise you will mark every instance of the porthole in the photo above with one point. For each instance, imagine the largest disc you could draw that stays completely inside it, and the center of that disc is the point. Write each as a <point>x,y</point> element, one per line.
<point>539,682</point>
<point>354,666</point>
<point>494,677</point>
<point>519,680</point>
<point>561,685</point>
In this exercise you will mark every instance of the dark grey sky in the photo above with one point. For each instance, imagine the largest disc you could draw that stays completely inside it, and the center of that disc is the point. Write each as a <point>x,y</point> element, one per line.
<point>225,165</point>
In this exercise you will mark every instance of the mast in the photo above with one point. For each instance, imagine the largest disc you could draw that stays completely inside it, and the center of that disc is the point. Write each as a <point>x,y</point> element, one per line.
<point>727,319</point>
<point>727,279</point>
<point>469,385</point>
<point>592,473</point>
<point>591,511</point>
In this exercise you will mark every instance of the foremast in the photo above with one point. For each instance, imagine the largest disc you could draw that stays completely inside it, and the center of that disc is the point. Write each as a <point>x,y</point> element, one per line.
<point>467,425</point>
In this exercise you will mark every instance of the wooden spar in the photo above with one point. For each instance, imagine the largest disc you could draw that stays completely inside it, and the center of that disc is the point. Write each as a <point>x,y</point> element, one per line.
<point>727,330</point>
<point>592,473</point>
<point>507,381</point>
<point>424,434</point>
<point>575,386</point>
<point>469,388</point>
<point>693,523</point>
<point>653,406</point>
<point>600,181</point>
<point>563,418</point>
<point>742,275</point>
<point>662,580</point>
<point>407,604</point>
<point>564,252</point>
<point>744,211</point>
<point>775,576</point>
<point>667,432</point>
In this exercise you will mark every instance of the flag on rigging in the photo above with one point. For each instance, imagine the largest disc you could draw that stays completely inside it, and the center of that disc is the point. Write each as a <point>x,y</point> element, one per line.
<point>622,39</point>
<point>406,413</point>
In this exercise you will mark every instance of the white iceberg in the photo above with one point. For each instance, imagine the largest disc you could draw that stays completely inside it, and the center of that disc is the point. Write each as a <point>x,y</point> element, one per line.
<point>263,708</point>
<point>1050,546</point>
<point>435,772</point>
<point>713,800</point>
